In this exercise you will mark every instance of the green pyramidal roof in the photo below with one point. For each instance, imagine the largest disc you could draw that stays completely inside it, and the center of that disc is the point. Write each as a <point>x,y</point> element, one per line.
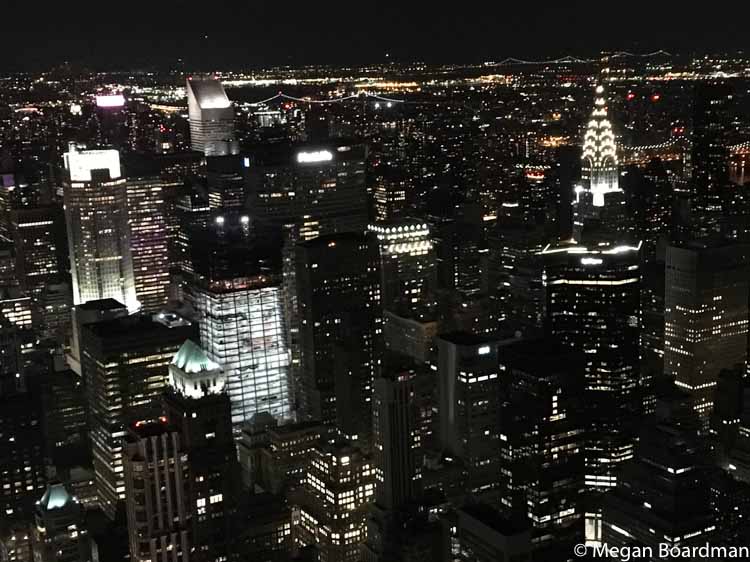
<point>192,359</point>
<point>55,497</point>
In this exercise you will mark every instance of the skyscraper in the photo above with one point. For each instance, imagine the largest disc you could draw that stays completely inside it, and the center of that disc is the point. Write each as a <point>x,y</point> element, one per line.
<point>60,532</point>
<point>469,401</point>
<point>35,236</point>
<point>211,117</point>
<point>593,307</point>
<point>125,365</point>
<point>408,274</point>
<point>198,408</point>
<point>149,240</point>
<point>599,169</point>
<point>96,214</point>
<point>242,329</point>
<point>156,476</point>
<point>236,292</point>
<point>338,487</point>
<point>542,441</point>
<point>705,316</point>
<point>339,310</point>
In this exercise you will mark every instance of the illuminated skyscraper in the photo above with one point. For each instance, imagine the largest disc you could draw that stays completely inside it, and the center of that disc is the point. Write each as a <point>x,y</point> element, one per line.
<point>125,364</point>
<point>211,116</point>
<point>96,214</point>
<point>705,316</point>
<point>600,173</point>
<point>149,237</point>
<point>35,236</point>
<point>236,293</point>
<point>408,274</point>
<point>339,485</point>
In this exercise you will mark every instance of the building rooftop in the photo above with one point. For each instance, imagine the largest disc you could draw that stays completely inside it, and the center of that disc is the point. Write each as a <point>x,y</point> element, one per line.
<point>192,359</point>
<point>209,93</point>
<point>55,497</point>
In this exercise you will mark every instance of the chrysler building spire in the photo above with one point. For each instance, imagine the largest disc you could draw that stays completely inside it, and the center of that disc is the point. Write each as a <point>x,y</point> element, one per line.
<point>600,164</point>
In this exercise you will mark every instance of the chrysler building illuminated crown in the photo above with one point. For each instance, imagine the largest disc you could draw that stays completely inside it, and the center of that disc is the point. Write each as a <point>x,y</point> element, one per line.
<point>600,165</point>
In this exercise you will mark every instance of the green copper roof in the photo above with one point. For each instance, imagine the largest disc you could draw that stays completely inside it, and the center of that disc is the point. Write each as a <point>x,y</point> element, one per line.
<point>55,497</point>
<point>192,359</point>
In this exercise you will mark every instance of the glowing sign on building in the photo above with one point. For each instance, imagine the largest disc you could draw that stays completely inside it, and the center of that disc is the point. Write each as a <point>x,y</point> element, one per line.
<point>113,100</point>
<point>312,157</point>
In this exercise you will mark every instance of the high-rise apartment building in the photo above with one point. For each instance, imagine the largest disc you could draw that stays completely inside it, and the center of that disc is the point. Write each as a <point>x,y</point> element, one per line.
<point>96,214</point>
<point>211,117</point>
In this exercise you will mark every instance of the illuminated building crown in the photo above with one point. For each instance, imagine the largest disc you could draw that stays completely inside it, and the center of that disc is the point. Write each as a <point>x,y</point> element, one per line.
<point>600,164</point>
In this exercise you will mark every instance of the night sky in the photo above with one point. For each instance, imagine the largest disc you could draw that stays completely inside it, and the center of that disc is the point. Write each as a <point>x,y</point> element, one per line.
<point>207,34</point>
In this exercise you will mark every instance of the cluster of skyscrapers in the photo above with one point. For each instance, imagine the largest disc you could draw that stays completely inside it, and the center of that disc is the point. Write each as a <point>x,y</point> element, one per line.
<point>281,351</point>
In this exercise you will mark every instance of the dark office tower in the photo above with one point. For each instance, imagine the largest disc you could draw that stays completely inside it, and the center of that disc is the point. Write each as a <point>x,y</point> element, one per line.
<point>96,214</point>
<point>389,193</point>
<point>90,313</point>
<point>469,402</point>
<point>339,484</point>
<point>593,307</point>
<point>198,407</point>
<point>237,296</point>
<point>64,420</point>
<point>706,316</point>
<point>340,326</point>
<point>22,463</point>
<point>396,435</point>
<point>226,182</point>
<point>211,116</point>
<point>407,267</point>
<point>712,105</point>
<point>36,238</point>
<point>192,212</point>
<point>8,277</point>
<point>55,305</point>
<point>515,272</point>
<point>462,253</point>
<point>397,457</point>
<point>663,496</point>
<point>482,534</point>
<point>157,474</point>
<point>652,325</point>
<point>149,240</point>
<point>60,533</point>
<point>125,364</point>
<point>318,188</point>
<point>263,529</point>
<point>542,441</point>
